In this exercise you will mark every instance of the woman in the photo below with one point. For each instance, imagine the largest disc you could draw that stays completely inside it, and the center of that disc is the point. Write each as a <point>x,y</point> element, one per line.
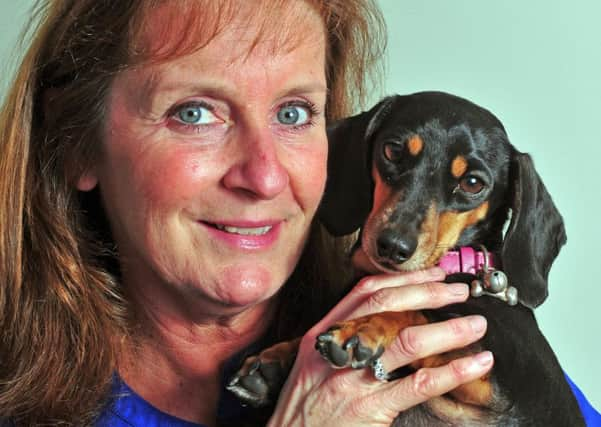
<point>162,162</point>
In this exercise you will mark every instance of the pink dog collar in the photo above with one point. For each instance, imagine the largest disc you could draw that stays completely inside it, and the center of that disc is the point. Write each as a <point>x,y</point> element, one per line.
<point>488,281</point>
<point>466,260</point>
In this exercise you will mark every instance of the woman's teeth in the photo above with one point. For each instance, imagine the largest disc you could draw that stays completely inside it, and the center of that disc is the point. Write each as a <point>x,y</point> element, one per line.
<point>256,231</point>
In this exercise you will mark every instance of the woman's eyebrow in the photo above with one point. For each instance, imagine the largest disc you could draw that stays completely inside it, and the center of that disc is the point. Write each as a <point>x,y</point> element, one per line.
<point>151,91</point>
<point>215,86</point>
<point>154,91</point>
<point>313,87</point>
<point>154,86</point>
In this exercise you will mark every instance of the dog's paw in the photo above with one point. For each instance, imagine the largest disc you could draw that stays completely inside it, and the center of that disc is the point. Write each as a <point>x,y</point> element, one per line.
<point>260,379</point>
<point>348,345</point>
<point>257,382</point>
<point>359,343</point>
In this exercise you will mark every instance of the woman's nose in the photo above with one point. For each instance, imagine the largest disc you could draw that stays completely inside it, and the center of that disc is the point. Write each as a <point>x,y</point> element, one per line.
<point>259,171</point>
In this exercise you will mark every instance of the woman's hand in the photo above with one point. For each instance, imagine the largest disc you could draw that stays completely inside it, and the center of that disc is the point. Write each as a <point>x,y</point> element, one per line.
<point>317,395</point>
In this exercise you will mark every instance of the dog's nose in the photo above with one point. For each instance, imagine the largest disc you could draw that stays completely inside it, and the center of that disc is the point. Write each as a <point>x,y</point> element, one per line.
<point>395,248</point>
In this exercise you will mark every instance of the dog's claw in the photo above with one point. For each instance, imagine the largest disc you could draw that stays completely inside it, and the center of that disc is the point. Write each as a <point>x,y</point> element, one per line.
<point>250,388</point>
<point>256,386</point>
<point>351,343</point>
<point>331,351</point>
<point>362,353</point>
<point>351,352</point>
<point>254,383</point>
<point>323,338</point>
<point>255,366</point>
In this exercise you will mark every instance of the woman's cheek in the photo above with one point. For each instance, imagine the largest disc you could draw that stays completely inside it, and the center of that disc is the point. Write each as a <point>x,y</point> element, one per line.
<point>312,174</point>
<point>176,176</point>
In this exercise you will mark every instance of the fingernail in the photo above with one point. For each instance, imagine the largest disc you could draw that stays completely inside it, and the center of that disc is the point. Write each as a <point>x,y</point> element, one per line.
<point>476,364</point>
<point>483,359</point>
<point>458,289</point>
<point>478,323</point>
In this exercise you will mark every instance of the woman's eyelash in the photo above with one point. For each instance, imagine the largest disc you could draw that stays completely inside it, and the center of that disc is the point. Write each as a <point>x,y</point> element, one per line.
<point>174,114</point>
<point>193,116</point>
<point>311,109</point>
<point>309,105</point>
<point>173,111</point>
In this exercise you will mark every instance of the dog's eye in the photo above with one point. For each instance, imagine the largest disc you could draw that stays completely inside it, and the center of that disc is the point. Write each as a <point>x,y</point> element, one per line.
<point>393,151</point>
<point>471,184</point>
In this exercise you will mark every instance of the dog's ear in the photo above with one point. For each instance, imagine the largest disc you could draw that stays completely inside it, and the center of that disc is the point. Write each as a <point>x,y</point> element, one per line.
<point>348,195</point>
<point>536,233</point>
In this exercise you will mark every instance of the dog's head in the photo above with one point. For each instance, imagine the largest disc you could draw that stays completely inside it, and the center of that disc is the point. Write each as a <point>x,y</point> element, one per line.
<point>423,173</point>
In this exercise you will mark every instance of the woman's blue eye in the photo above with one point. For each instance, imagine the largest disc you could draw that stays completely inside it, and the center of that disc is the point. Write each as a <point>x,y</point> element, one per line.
<point>195,114</point>
<point>294,115</point>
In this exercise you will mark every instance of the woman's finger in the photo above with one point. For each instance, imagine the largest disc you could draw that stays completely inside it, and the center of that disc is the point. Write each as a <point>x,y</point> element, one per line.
<point>417,342</point>
<point>354,304</point>
<point>370,284</point>
<point>431,382</point>
<point>413,297</point>
<point>360,393</point>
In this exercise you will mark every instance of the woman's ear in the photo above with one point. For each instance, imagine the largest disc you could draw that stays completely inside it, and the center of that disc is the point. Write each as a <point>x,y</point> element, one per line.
<point>87,181</point>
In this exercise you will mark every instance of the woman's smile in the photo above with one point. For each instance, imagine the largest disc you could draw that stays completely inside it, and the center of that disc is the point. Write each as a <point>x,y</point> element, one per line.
<point>245,234</point>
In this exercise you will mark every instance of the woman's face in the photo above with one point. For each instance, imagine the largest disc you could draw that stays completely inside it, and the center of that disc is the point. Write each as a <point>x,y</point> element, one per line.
<point>213,166</point>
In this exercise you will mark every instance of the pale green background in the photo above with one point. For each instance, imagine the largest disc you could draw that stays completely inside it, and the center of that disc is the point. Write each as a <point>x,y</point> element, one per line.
<point>537,65</point>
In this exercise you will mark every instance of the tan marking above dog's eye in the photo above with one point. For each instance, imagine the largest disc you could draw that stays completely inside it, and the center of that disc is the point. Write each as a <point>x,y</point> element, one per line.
<point>458,166</point>
<point>415,145</point>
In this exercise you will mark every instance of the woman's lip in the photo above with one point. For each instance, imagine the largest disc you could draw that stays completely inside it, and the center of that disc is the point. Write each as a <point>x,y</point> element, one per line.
<point>245,234</point>
<point>243,223</point>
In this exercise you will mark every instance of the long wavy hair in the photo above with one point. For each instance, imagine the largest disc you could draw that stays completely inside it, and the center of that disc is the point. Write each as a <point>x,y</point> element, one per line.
<point>63,314</point>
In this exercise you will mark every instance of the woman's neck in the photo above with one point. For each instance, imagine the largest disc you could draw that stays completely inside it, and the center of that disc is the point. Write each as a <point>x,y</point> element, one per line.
<point>175,363</point>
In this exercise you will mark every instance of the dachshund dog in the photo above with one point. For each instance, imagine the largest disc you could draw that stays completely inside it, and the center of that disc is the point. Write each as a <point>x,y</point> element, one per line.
<point>431,178</point>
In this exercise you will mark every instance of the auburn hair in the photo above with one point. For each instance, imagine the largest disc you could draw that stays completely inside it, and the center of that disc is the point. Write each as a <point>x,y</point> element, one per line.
<point>63,314</point>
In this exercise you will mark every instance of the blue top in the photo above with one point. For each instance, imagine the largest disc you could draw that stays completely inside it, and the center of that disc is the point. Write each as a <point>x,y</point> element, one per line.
<point>128,409</point>
<point>590,414</point>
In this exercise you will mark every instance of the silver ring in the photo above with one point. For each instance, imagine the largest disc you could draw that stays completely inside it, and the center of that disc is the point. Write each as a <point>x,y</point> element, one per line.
<point>379,372</point>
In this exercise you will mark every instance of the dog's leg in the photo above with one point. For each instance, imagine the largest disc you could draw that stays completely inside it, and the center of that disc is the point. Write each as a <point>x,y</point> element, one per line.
<point>259,380</point>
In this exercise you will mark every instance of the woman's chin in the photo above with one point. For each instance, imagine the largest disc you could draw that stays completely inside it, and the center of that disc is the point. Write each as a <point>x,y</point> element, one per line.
<point>245,287</point>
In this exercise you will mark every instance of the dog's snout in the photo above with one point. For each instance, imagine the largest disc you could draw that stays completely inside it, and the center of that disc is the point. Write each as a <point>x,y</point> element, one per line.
<point>395,248</point>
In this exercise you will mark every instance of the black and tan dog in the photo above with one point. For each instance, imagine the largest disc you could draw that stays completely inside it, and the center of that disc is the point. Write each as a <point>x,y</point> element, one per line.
<point>421,175</point>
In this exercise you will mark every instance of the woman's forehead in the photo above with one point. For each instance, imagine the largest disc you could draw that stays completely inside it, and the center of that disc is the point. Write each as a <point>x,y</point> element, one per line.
<point>178,27</point>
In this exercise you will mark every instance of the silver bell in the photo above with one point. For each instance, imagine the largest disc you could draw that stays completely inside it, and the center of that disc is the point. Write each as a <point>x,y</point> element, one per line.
<point>509,294</point>
<point>495,281</point>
